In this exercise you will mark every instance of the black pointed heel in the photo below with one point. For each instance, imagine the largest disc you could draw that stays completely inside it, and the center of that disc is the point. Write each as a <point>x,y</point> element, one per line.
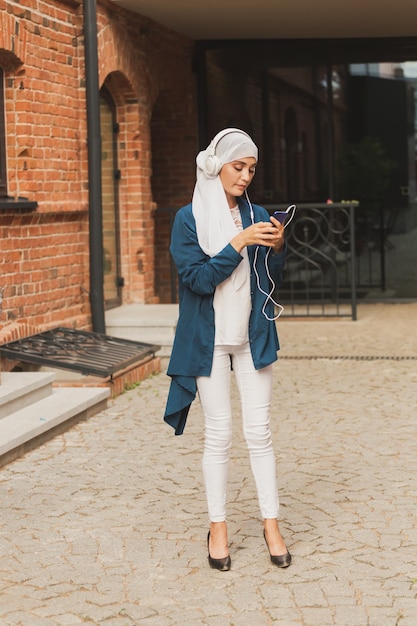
<point>223,565</point>
<point>282,560</point>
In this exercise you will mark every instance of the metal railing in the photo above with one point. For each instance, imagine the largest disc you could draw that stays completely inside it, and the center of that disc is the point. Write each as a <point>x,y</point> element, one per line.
<point>320,273</point>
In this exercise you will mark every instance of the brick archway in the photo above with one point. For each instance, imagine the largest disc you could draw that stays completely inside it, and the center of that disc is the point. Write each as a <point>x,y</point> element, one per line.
<point>135,199</point>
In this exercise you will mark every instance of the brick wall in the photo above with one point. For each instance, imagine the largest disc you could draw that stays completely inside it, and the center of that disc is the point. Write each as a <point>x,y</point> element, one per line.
<point>44,262</point>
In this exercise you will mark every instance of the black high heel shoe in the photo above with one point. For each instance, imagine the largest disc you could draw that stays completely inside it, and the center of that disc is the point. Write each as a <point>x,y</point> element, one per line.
<point>282,560</point>
<point>221,564</point>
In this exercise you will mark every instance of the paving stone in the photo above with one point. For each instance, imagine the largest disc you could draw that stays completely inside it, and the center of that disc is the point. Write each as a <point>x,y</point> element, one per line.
<point>106,524</point>
<point>316,615</point>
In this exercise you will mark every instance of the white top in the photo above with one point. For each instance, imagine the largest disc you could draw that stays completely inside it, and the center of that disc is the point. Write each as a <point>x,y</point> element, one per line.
<point>232,306</point>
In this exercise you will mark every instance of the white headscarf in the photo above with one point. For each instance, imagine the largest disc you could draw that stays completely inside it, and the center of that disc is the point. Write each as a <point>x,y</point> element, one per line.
<point>214,222</point>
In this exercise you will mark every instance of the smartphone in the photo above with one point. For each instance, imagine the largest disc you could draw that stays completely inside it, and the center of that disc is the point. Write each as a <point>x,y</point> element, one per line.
<point>281,216</point>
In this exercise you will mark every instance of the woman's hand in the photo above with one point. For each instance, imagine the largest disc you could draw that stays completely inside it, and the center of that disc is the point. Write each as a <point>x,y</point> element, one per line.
<point>269,234</point>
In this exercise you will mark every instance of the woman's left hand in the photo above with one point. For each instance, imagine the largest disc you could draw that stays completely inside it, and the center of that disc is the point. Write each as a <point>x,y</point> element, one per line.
<point>278,235</point>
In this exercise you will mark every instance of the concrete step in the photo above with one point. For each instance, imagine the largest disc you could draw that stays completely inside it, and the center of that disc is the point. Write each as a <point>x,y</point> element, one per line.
<point>150,323</point>
<point>21,389</point>
<point>30,426</point>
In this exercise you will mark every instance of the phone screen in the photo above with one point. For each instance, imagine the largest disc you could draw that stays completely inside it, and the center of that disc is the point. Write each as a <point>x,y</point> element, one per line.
<point>281,216</point>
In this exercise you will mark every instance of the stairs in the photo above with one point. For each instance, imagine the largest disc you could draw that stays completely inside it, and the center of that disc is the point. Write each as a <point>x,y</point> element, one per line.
<point>35,406</point>
<point>150,323</point>
<point>32,410</point>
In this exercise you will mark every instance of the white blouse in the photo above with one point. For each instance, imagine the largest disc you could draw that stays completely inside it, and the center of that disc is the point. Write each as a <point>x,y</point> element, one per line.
<point>232,306</point>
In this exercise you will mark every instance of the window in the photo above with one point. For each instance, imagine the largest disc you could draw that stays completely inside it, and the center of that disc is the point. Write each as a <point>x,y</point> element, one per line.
<point>7,202</point>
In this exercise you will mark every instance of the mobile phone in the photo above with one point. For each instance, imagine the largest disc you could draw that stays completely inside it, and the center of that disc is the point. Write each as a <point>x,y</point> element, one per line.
<point>285,217</point>
<point>281,216</point>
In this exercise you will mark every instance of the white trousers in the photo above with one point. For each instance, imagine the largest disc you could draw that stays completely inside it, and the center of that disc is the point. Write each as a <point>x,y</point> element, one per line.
<point>255,388</point>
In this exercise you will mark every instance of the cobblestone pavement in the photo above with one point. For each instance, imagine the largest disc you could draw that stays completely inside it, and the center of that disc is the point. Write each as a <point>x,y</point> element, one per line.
<point>106,524</point>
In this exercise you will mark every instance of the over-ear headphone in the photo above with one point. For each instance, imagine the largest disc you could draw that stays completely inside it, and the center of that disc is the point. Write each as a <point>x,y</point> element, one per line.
<point>212,165</point>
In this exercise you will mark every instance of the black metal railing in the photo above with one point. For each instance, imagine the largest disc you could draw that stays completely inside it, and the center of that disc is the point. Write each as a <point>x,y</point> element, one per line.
<point>320,276</point>
<point>320,272</point>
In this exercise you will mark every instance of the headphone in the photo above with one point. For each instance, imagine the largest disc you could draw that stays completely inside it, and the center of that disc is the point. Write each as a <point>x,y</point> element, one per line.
<point>212,165</point>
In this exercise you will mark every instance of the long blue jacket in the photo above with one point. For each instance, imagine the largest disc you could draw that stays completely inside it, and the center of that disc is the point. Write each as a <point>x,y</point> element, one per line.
<point>198,277</point>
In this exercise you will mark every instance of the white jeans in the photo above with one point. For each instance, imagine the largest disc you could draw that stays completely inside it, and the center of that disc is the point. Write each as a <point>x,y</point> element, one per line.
<point>255,388</point>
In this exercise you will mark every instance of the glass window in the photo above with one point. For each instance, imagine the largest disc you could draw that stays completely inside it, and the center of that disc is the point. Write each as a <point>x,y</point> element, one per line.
<point>332,122</point>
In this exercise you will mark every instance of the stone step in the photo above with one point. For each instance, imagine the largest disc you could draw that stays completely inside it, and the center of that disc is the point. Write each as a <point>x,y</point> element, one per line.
<point>32,424</point>
<point>21,389</point>
<point>150,323</point>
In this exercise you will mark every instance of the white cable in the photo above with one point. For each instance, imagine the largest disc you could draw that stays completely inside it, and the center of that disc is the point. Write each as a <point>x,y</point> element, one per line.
<point>268,295</point>
<point>255,259</point>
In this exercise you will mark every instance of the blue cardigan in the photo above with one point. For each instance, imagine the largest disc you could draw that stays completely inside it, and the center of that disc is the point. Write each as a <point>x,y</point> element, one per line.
<point>198,277</point>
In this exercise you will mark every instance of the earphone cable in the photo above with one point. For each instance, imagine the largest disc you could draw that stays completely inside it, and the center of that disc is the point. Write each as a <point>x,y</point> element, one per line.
<point>273,286</point>
<point>258,281</point>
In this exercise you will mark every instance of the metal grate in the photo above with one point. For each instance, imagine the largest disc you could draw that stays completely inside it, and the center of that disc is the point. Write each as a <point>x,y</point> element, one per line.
<point>81,351</point>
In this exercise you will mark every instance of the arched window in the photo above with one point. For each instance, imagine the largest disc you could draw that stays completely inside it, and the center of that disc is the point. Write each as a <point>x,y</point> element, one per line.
<point>110,198</point>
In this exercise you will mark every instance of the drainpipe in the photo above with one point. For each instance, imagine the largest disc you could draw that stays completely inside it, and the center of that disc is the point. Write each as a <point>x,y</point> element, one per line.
<point>94,166</point>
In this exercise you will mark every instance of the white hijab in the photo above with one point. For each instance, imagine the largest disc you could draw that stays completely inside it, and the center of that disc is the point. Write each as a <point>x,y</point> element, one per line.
<point>214,222</point>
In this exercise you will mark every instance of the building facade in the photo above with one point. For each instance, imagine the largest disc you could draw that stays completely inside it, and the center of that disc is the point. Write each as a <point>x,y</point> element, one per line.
<point>163,95</point>
<point>147,106</point>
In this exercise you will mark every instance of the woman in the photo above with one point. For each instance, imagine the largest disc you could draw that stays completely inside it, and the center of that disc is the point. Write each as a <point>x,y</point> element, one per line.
<point>229,256</point>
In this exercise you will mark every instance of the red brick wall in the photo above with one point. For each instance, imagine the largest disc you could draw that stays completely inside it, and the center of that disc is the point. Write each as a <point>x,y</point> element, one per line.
<point>45,107</point>
<point>44,262</point>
